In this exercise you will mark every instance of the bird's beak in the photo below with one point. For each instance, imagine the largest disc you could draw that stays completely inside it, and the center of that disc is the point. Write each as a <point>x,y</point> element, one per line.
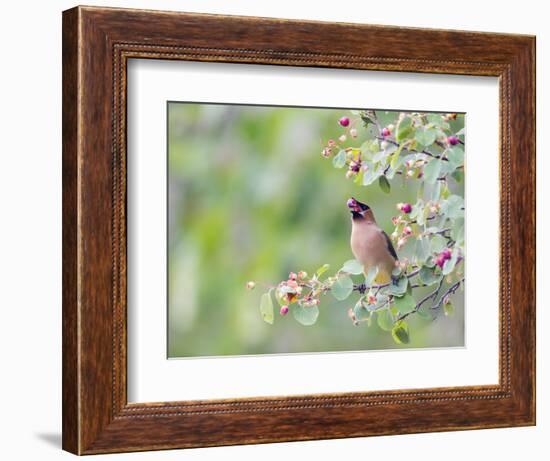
<point>355,206</point>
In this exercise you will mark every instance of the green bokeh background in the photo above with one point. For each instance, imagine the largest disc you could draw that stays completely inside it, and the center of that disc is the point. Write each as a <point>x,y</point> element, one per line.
<point>251,198</point>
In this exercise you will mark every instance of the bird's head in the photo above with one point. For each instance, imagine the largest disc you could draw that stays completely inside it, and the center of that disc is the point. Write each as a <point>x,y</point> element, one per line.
<point>358,210</point>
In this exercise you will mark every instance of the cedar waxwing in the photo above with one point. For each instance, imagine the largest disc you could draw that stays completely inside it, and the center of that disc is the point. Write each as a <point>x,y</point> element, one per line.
<point>370,245</point>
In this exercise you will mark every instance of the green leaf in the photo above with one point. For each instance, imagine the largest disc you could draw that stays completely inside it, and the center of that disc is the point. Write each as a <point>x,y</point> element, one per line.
<point>399,287</point>
<point>404,129</point>
<point>384,184</point>
<point>455,155</point>
<point>339,161</point>
<point>384,319</point>
<point>426,137</point>
<point>422,249</point>
<point>449,309</point>
<point>453,207</point>
<point>322,269</point>
<point>457,231</point>
<point>432,170</point>
<point>371,276</point>
<point>438,243</point>
<point>424,315</point>
<point>305,315</point>
<point>342,288</point>
<point>428,276</point>
<point>400,332</point>
<point>352,267</point>
<point>266,307</point>
<point>395,156</point>
<point>405,304</point>
<point>371,174</point>
<point>458,176</point>
<point>435,192</point>
<point>437,120</point>
<point>360,311</point>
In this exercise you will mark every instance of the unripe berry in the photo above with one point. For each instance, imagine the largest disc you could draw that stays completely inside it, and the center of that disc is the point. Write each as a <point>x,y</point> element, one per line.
<point>407,230</point>
<point>391,126</point>
<point>302,275</point>
<point>452,140</point>
<point>344,121</point>
<point>250,285</point>
<point>353,133</point>
<point>292,276</point>
<point>327,152</point>
<point>401,242</point>
<point>331,142</point>
<point>342,138</point>
<point>283,310</point>
<point>410,173</point>
<point>406,208</point>
<point>386,131</point>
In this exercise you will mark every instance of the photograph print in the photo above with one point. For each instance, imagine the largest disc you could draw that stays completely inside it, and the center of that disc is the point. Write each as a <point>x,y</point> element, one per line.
<point>310,230</point>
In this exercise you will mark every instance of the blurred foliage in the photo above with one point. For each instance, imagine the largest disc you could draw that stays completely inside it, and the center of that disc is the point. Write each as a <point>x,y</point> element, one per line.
<point>250,197</point>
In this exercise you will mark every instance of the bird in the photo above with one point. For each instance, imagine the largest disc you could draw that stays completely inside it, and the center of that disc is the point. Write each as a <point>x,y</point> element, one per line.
<point>370,245</point>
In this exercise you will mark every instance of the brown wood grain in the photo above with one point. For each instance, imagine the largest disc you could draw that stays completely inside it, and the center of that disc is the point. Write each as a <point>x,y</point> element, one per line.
<point>97,43</point>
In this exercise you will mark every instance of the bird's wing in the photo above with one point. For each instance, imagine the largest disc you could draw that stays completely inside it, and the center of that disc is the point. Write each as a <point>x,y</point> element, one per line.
<point>391,249</point>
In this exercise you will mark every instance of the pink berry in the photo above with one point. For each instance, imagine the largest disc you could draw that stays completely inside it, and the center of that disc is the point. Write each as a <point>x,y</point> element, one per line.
<point>406,208</point>
<point>440,261</point>
<point>344,121</point>
<point>283,310</point>
<point>407,230</point>
<point>386,131</point>
<point>292,276</point>
<point>446,253</point>
<point>452,140</point>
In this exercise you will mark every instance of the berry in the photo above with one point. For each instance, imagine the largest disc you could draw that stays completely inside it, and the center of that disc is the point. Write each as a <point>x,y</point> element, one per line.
<point>351,203</point>
<point>302,274</point>
<point>331,142</point>
<point>406,207</point>
<point>440,261</point>
<point>446,253</point>
<point>344,121</point>
<point>452,140</point>
<point>342,138</point>
<point>250,285</point>
<point>384,145</point>
<point>371,299</point>
<point>407,230</point>
<point>355,166</point>
<point>353,133</point>
<point>386,131</point>
<point>401,242</point>
<point>292,276</point>
<point>283,310</point>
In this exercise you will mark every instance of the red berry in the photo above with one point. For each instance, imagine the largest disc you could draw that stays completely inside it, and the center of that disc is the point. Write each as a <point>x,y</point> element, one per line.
<point>440,261</point>
<point>446,253</point>
<point>452,140</point>
<point>386,131</point>
<point>283,310</point>
<point>344,121</point>
<point>406,208</point>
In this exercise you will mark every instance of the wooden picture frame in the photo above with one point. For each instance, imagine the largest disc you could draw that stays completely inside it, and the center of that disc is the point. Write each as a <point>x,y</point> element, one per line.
<point>97,43</point>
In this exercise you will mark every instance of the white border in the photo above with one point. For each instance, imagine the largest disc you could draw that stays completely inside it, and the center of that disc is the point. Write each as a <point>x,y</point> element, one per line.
<point>151,377</point>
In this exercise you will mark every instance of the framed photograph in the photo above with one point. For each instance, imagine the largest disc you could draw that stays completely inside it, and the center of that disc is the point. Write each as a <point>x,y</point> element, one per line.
<point>282,230</point>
